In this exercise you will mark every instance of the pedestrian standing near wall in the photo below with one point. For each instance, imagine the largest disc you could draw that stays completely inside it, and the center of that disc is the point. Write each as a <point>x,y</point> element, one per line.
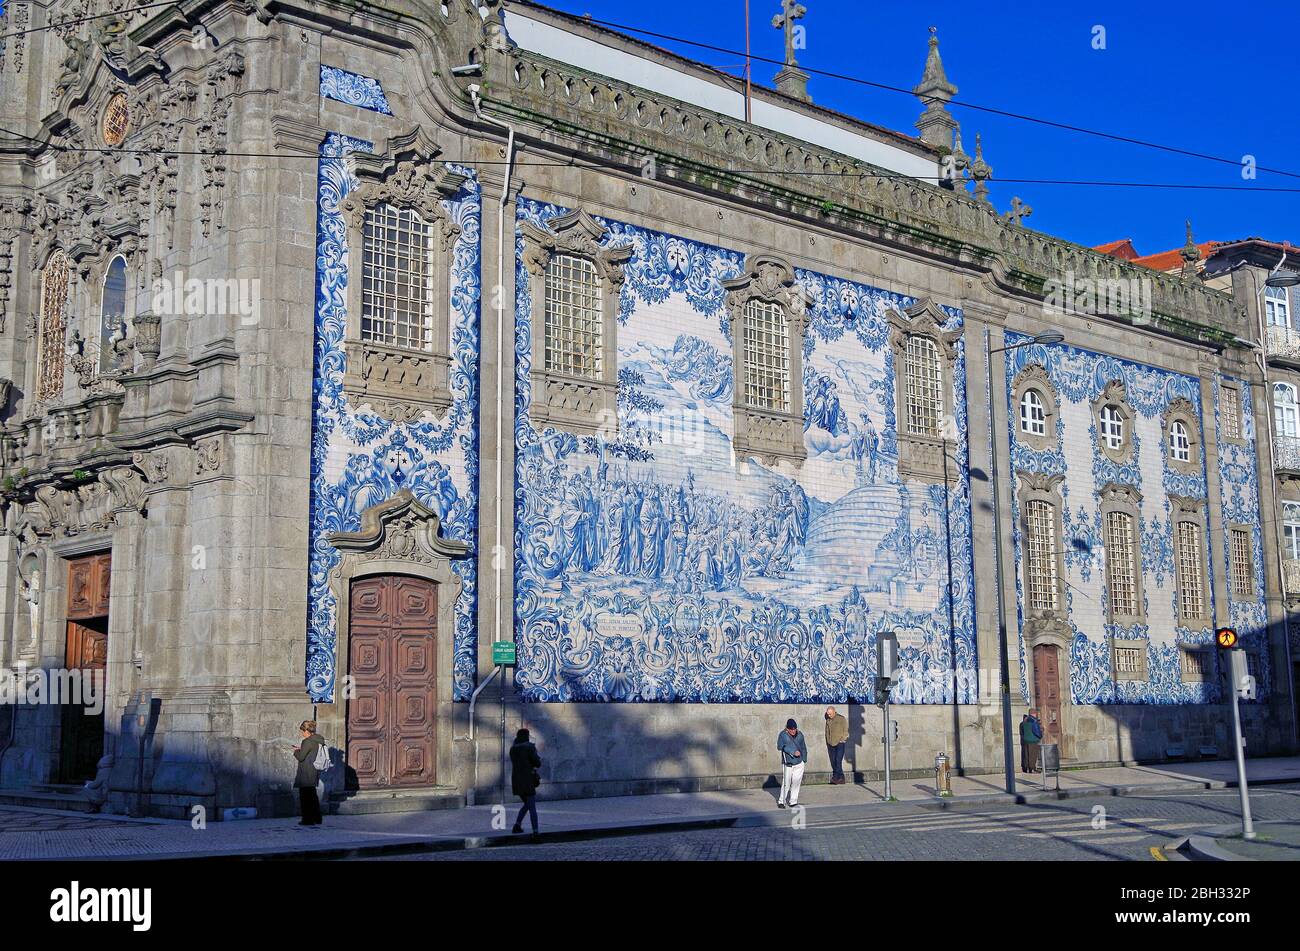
<point>1031,738</point>
<point>794,756</point>
<point>525,778</point>
<point>837,735</point>
<point>308,775</point>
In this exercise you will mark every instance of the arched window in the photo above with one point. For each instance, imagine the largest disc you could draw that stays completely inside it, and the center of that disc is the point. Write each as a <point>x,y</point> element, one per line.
<point>1180,446</point>
<point>1112,426</point>
<point>924,395</point>
<point>1277,307</point>
<point>397,278</point>
<point>1033,414</point>
<point>574,321</point>
<point>1285,410</point>
<point>112,310</point>
<point>52,328</point>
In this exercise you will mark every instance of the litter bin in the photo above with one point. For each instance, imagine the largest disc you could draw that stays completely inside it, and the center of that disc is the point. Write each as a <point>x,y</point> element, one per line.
<point>1052,763</point>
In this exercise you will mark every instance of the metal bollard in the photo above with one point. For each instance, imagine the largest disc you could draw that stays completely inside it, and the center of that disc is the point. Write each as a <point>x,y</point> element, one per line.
<point>942,775</point>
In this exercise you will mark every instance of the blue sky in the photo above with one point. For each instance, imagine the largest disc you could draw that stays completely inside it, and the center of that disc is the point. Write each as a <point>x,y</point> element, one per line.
<point>1210,78</point>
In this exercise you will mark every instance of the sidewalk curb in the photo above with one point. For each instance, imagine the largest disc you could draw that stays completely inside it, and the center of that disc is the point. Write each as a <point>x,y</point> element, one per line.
<point>414,845</point>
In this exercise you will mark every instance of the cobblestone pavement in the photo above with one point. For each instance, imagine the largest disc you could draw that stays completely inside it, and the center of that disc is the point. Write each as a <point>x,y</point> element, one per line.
<point>1100,828</point>
<point>33,820</point>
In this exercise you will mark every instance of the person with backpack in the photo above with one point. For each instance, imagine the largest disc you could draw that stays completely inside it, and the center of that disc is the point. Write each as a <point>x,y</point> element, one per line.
<point>313,759</point>
<point>525,778</point>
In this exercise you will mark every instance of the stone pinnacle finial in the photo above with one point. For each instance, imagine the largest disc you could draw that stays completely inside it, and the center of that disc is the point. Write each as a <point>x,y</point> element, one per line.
<point>936,123</point>
<point>980,172</point>
<point>1190,253</point>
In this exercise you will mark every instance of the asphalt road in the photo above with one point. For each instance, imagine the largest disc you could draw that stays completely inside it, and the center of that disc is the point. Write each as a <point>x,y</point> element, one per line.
<point>1096,829</point>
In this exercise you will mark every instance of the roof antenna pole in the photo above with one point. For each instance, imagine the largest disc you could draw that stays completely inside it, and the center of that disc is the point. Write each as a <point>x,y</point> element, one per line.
<point>747,62</point>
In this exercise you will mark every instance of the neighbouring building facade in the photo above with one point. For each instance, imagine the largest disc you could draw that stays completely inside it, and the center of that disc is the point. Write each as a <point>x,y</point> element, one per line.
<point>342,343</point>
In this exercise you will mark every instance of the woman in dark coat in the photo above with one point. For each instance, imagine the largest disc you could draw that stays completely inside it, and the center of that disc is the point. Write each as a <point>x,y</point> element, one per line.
<point>524,778</point>
<point>308,775</point>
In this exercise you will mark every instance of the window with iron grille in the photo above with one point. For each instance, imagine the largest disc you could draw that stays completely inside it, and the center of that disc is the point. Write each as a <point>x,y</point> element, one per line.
<point>397,278</point>
<point>1180,447</point>
<point>1121,574</point>
<point>1230,411</point>
<point>1041,555</point>
<point>1033,415</point>
<point>53,328</point>
<point>574,324</point>
<point>767,356</point>
<point>1128,660</point>
<point>924,387</point>
<point>1243,571</point>
<point>1112,427</point>
<point>1196,663</point>
<point>1191,586</point>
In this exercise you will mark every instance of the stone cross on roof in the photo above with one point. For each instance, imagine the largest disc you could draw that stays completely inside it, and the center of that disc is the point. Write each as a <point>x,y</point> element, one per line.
<point>790,11</point>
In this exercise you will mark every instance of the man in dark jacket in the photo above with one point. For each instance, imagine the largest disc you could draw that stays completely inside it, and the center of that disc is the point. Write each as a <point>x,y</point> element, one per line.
<point>794,756</point>
<point>525,778</point>
<point>1031,738</point>
<point>308,775</point>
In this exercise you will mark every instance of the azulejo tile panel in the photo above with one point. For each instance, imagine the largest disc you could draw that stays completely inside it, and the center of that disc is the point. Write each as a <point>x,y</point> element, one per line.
<point>354,89</point>
<point>1239,488</point>
<point>358,458</point>
<point>654,567</point>
<point>1079,377</point>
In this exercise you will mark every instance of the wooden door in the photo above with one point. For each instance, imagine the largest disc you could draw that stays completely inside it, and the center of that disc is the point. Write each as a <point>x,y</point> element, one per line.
<point>392,725</point>
<point>86,650</point>
<point>1047,690</point>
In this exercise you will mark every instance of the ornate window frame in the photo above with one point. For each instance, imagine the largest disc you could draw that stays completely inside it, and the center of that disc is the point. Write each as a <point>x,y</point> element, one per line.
<point>1230,395</point>
<point>922,457</point>
<point>1114,394</point>
<point>397,383</point>
<point>575,403</point>
<point>1038,487</point>
<point>1034,377</point>
<point>51,341</point>
<point>1182,411</point>
<point>1126,500</point>
<point>763,431</point>
<point>1191,511</point>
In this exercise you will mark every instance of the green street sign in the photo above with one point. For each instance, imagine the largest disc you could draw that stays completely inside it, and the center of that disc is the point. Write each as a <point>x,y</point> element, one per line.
<point>503,653</point>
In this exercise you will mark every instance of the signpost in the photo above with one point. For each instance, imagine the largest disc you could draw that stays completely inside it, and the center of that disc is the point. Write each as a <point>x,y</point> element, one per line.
<point>503,655</point>
<point>886,674</point>
<point>1242,685</point>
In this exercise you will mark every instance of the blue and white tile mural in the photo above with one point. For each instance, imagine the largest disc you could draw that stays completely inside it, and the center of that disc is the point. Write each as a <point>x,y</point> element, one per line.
<point>354,89</point>
<point>654,567</point>
<point>359,458</point>
<point>1079,376</point>
<point>1239,489</point>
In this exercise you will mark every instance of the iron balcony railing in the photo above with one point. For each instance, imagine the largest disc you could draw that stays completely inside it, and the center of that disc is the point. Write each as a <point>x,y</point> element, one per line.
<point>1283,342</point>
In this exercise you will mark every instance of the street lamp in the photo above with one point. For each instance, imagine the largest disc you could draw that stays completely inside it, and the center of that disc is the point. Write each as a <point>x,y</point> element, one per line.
<point>1008,748</point>
<point>1282,279</point>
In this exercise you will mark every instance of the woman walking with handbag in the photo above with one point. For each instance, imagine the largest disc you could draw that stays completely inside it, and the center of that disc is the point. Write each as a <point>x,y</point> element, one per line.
<point>525,778</point>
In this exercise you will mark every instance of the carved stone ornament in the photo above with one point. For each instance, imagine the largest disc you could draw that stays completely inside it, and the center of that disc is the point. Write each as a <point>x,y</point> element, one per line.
<point>400,529</point>
<point>89,507</point>
<point>1114,394</point>
<point>1182,411</point>
<point>767,432</point>
<point>401,383</point>
<point>1034,377</point>
<point>576,403</point>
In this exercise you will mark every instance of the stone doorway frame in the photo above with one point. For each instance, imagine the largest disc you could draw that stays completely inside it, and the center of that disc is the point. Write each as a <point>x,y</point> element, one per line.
<point>399,536</point>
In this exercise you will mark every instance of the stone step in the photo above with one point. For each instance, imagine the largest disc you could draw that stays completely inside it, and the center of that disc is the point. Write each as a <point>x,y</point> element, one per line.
<point>414,799</point>
<point>42,799</point>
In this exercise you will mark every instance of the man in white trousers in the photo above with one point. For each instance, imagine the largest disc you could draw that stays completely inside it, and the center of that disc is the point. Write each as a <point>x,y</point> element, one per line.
<point>794,756</point>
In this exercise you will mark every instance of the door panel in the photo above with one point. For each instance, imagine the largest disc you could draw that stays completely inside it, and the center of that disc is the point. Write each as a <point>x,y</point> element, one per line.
<point>1047,690</point>
<point>392,726</point>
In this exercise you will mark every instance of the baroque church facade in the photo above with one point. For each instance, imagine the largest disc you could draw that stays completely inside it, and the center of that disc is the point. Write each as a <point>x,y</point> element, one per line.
<point>341,343</point>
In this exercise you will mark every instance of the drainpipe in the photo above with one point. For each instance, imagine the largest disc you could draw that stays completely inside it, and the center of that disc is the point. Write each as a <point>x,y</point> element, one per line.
<point>1272,465</point>
<point>469,796</point>
<point>500,387</point>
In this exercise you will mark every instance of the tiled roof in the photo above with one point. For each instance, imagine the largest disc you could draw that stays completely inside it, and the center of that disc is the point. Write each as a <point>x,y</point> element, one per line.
<point>1122,249</point>
<point>1172,260</point>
